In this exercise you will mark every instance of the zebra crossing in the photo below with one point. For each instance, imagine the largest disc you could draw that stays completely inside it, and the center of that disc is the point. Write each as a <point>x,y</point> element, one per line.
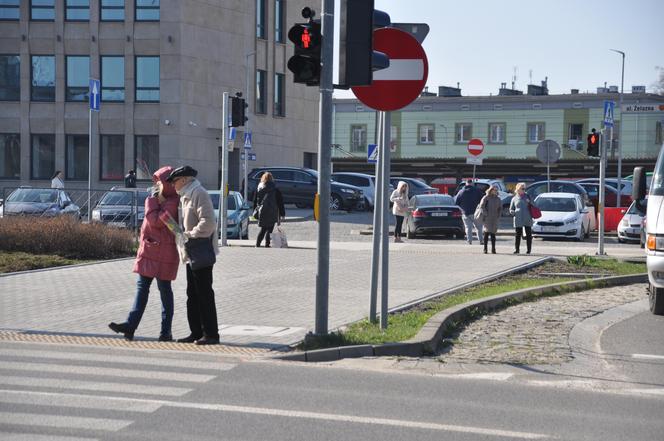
<point>64,393</point>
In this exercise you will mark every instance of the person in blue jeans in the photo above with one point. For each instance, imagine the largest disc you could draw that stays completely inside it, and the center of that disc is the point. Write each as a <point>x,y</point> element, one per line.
<point>157,257</point>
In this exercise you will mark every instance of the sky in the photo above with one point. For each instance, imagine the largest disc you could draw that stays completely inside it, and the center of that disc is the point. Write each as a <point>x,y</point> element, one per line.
<point>479,43</point>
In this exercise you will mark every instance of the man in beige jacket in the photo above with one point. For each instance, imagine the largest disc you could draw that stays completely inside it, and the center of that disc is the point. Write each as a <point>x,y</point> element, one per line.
<point>198,221</point>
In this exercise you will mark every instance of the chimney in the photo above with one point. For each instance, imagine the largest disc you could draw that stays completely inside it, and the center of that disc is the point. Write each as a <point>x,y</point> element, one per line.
<point>446,91</point>
<point>574,91</point>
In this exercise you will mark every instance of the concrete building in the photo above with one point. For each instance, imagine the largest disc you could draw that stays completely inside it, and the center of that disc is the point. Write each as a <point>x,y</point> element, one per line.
<point>163,67</point>
<point>435,129</point>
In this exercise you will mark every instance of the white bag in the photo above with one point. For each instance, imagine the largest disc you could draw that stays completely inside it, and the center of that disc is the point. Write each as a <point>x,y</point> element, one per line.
<point>279,239</point>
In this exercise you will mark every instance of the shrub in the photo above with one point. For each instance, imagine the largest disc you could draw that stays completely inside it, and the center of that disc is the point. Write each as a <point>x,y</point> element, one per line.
<point>583,260</point>
<point>64,237</point>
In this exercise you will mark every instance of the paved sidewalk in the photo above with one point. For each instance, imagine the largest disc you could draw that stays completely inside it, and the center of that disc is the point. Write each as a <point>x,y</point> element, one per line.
<point>265,297</point>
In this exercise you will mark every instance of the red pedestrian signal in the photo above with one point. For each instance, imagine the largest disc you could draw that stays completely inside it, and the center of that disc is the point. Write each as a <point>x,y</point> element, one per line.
<point>306,62</point>
<point>306,38</point>
<point>593,144</point>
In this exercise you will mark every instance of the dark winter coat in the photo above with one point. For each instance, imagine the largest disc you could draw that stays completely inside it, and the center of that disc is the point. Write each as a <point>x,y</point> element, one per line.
<point>269,203</point>
<point>468,199</point>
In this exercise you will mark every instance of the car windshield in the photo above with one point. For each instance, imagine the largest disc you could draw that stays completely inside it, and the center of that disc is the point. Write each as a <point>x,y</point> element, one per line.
<point>123,198</point>
<point>636,209</point>
<point>215,202</point>
<point>433,200</point>
<point>657,183</point>
<point>556,204</point>
<point>43,196</point>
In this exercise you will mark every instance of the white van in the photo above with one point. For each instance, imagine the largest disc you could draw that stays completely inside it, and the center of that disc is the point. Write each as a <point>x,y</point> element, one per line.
<point>654,231</point>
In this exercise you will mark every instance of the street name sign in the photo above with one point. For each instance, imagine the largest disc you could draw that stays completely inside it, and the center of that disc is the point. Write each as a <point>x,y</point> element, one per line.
<point>473,160</point>
<point>401,83</point>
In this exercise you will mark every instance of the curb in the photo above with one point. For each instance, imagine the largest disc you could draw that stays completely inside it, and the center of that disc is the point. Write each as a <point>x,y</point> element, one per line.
<point>427,339</point>
<point>76,265</point>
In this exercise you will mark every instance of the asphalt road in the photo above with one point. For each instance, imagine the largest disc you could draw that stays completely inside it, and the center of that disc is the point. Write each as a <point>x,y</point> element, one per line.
<point>50,392</point>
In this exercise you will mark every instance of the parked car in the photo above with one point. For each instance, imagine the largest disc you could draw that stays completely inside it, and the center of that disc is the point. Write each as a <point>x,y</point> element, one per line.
<point>536,188</point>
<point>121,207</point>
<point>483,185</point>
<point>434,214</point>
<point>237,221</point>
<point>363,181</point>
<point>563,215</point>
<point>41,202</point>
<point>610,195</point>
<point>625,183</point>
<point>630,228</point>
<point>299,185</point>
<point>415,186</point>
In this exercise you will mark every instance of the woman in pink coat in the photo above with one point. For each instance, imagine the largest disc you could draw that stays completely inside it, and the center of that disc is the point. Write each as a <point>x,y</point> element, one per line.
<point>157,257</point>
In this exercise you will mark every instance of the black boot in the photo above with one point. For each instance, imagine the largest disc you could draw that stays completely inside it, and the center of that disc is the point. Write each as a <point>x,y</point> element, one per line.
<point>122,328</point>
<point>486,242</point>
<point>517,242</point>
<point>529,243</point>
<point>493,243</point>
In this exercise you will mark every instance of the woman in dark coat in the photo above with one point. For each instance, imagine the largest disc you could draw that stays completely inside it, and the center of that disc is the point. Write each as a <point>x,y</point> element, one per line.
<point>268,208</point>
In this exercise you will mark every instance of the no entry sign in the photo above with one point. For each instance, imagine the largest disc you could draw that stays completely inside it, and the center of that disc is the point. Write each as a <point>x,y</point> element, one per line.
<point>475,146</point>
<point>401,83</point>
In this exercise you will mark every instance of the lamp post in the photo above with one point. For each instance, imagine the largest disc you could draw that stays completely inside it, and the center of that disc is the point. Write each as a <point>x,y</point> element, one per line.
<point>620,136</point>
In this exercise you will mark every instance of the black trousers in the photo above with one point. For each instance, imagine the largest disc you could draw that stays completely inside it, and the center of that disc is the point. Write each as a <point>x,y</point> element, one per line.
<point>517,238</point>
<point>201,308</point>
<point>493,241</point>
<point>265,232</point>
<point>398,226</point>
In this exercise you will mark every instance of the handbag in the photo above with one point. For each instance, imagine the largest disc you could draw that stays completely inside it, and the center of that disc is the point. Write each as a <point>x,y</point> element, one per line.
<point>200,252</point>
<point>479,215</point>
<point>535,212</point>
<point>279,239</point>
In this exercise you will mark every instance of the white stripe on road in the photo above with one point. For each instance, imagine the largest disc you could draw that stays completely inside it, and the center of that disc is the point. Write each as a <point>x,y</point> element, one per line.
<point>646,391</point>
<point>325,417</point>
<point>57,383</point>
<point>73,400</point>
<point>7,436</point>
<point>110,358</point>
<point>401,70</point>
<point>497,376</point>
<point>109,372</point>
<point>66,422</point>
<point>648,356</point>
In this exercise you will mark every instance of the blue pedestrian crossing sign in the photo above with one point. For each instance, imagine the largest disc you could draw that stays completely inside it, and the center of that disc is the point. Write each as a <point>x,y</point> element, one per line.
<point>95,94</point>
<point>372,153</point>
<point>608,113</point>
<point>247,140</point>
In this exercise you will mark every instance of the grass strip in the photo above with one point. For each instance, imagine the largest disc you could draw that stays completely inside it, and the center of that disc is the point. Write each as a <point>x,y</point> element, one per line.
<point>405,325</point>
<point>19,261</point>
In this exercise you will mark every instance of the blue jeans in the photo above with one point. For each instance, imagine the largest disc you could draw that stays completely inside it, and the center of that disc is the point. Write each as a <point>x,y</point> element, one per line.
<point>141,301</point>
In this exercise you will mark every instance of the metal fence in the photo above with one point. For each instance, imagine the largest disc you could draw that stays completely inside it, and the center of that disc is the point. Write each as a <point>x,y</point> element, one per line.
<point>123,208</point>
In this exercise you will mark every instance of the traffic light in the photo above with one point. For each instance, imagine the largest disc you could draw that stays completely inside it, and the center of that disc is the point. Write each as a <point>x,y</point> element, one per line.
<point>307,42</point>
<point>357,59</point>
<point>593,143</point>
<point>238,111</point>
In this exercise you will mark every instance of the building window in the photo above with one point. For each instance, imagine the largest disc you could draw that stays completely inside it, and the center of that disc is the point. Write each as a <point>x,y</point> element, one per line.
<point>535,132</point>
<point>76,157</point>
<point>77,10</point>
<point>112,78</point>
<point>111,158</point>
<point>147,10</point>
<point>260,19</point>
<point>358,138</point>
<point>147,79</point>
<point>462,132</point>
<point>10,156</point>
<point>261,90</point>
<point>279,101</point>
<point>10,77</point>
<point>497,133</point>
<point>9,10</point>
<point>42,78</point>
<point>147,156</point>
<point>42,157</point>
<point>78,78</point>
<point>279,15</point>
<point>43,10</point>
<point>425,133</point>
<point>112,10</point>
<point>659,135</point>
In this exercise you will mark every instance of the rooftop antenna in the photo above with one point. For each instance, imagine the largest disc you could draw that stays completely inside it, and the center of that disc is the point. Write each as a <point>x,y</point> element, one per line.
<point>514,77</point>
<point>530,76</point>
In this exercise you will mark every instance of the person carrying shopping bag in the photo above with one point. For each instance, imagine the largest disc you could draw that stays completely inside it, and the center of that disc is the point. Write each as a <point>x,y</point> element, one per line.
<point>492,208</point>
<point>157,257</point>
<point>400,209</point>
<point>269,208</point>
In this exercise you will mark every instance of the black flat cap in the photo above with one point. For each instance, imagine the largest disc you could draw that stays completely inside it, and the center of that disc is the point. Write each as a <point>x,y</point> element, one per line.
<point>181,172</point>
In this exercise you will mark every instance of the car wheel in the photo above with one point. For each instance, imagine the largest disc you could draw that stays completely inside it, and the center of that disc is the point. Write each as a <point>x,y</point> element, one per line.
<point>409,233</point>
<point>621,240</point>
<point>656,300</point>
<point>335,202</point>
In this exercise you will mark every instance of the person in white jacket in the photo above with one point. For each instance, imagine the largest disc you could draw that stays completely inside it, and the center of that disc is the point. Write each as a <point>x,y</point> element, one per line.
<point>57,181</point>
<point>400,209</point>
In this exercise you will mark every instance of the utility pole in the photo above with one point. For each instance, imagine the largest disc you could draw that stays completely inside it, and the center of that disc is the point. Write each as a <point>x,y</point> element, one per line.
<point>246,124</point>
<point>223,195</point>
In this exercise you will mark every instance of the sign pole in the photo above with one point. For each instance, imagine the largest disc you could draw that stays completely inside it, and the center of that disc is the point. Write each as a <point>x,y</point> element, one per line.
<point>89,164</point>
<point>379,198</point>
<point>600,203</point>
<point>385,230</point>
<point>222,214</point>
<point>474,167</point>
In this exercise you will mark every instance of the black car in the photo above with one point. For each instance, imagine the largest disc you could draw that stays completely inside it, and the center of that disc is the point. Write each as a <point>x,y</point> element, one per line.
<point>40,202</point>
<point>415,186</point>
<point>299,185</point>
<point>434,214</point>
<point>121,207</point>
